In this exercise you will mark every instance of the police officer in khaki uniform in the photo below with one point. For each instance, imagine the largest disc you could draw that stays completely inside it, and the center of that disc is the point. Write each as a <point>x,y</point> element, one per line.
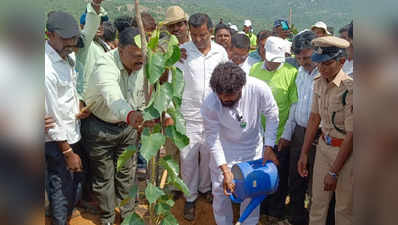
<point>332,108</point>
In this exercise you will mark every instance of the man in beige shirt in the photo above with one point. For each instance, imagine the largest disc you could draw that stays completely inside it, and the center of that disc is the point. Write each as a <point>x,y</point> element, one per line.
<point>115,95</point>
<point>332,107</point>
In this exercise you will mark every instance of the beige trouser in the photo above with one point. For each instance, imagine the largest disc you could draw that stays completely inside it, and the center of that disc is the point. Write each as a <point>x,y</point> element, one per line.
<point>325,156</point>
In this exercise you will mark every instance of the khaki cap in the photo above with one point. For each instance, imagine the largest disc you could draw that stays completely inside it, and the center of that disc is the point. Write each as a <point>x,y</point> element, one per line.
<point>327,48</point>
<point>175,14</point>
<point>330,41</point>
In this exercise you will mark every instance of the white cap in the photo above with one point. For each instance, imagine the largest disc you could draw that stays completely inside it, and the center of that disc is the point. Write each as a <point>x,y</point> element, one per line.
<point>234,27</point>
<point>322,26</point>
<point>288,46</point>
<point>275,49</point>
<point>247,23</point>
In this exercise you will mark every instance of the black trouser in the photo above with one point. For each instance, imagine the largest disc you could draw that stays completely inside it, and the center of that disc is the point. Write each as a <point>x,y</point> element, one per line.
<point>105,142</point>
<point>274,205</point>
<point>63,187</point>
<point>290,182</point>
<point>298,186</point>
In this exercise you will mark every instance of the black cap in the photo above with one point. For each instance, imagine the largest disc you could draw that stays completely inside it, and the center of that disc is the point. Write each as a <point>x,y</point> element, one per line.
<point>63,23</point>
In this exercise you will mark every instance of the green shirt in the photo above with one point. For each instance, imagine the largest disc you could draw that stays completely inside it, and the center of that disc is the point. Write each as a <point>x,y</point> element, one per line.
<point>253,40</point>
<point>113,91</point>
<point>282,82</point>
<point>87,56</point>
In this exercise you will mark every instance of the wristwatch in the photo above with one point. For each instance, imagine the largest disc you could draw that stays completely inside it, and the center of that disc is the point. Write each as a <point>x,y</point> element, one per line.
<point>332,174</point>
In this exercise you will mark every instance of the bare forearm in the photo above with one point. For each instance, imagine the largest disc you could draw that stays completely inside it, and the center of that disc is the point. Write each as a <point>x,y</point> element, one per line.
<point>63,145</point>
<point>312,128</point>
<point>344,153</point>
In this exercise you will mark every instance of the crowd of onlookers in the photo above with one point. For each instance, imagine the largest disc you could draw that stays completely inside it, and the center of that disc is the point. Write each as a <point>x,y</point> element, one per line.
<point>272,94</point>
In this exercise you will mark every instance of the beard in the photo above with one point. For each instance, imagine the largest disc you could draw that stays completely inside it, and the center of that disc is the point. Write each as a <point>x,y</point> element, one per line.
<point>230,104</point>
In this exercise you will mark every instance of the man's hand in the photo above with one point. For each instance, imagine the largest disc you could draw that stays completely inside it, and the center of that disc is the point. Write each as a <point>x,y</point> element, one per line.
<point>49,122</point>
<point>329,183</point>
<point>183,54</point>
<point>168,122</point>
<point>302,165</point>
<point>73,162</point>
<point>283,143</point>
<point>84,111</point>
<point>270,155</point>
<point>229,186</point>
<point>165,77</point>
<point>136,119</point>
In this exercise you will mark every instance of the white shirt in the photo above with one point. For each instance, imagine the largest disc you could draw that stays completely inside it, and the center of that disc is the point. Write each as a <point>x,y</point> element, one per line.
<point>300,112</point>
<point>348,67</point>
<point>226,138</point>
<point>246,65</point>
<point>61,98</point>
<point>197,70</point>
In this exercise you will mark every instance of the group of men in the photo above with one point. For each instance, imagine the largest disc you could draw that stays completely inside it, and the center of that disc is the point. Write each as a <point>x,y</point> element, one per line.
<point>244,99</point>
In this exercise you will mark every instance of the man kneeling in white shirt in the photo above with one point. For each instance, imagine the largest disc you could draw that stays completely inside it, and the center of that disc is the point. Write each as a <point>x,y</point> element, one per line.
<point>233,132</point>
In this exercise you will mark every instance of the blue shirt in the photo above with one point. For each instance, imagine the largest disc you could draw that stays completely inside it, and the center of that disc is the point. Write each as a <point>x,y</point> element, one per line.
<point>300,112</point>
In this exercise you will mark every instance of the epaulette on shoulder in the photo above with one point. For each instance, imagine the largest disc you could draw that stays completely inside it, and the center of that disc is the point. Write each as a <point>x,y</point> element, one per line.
<point>349,83</point>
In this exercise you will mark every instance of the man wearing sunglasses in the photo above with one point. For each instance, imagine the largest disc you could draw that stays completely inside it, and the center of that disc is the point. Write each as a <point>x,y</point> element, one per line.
<point>332,105</point>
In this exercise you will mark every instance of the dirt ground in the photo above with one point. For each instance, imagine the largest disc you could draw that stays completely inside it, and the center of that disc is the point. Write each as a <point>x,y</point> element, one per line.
<point>204,215</point>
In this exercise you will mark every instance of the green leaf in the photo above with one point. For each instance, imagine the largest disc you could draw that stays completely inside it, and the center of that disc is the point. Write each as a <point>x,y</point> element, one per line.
<point>170,165</point>
<point>174,57</point>
<point>177,102</point>
<point>156,66</point>
<point>153,193</point>
<point>169,220</point>
<point>178,118</point>
<point>167,199</point>
<point>162,208</point>
<point>177,82</point>
<point>179,183</point>
<point>163,97</point>
<point>153,42</point>
<point>157,128</point>
<point>133,219</point>
<point>150,113</point>
<point>171,42</point>
<point>151,144</point>
<point>126,155</point>
<point>180,140</point>
<point>132,195</point>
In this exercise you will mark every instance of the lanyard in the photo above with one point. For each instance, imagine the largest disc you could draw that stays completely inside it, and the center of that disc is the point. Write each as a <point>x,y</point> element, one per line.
<point>239,117</point>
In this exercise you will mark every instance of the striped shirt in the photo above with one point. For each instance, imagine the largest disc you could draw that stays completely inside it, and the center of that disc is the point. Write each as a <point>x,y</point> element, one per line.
<point>300,112</point>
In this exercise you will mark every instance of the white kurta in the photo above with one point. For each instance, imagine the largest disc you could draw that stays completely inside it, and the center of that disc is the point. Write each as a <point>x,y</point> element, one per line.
<point>230,142</point>
<point>197,70</point>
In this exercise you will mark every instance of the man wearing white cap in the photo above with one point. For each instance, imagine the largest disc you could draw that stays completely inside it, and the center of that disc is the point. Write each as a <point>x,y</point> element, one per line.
<point>320,29</point>
<point>177,23</point>
<point>281,77</point>
<point>247,28</point>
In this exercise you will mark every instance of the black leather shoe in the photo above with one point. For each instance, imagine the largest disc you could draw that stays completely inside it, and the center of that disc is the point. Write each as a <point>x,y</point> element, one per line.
<point>189,211</point>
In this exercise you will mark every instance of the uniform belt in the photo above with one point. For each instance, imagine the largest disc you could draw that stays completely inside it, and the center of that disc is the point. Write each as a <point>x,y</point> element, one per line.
<point>332,141</point>
<point>119,124</point>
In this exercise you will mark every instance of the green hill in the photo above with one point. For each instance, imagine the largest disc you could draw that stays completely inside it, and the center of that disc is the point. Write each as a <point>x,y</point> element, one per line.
<point>335,13</point>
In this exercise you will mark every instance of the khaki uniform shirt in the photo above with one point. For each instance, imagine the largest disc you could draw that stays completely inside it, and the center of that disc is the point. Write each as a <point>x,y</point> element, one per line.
<point>114,91</point>
<point>328,99</point>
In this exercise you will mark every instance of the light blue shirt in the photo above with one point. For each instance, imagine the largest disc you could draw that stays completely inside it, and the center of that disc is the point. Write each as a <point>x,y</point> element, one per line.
<point>300,112</point>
